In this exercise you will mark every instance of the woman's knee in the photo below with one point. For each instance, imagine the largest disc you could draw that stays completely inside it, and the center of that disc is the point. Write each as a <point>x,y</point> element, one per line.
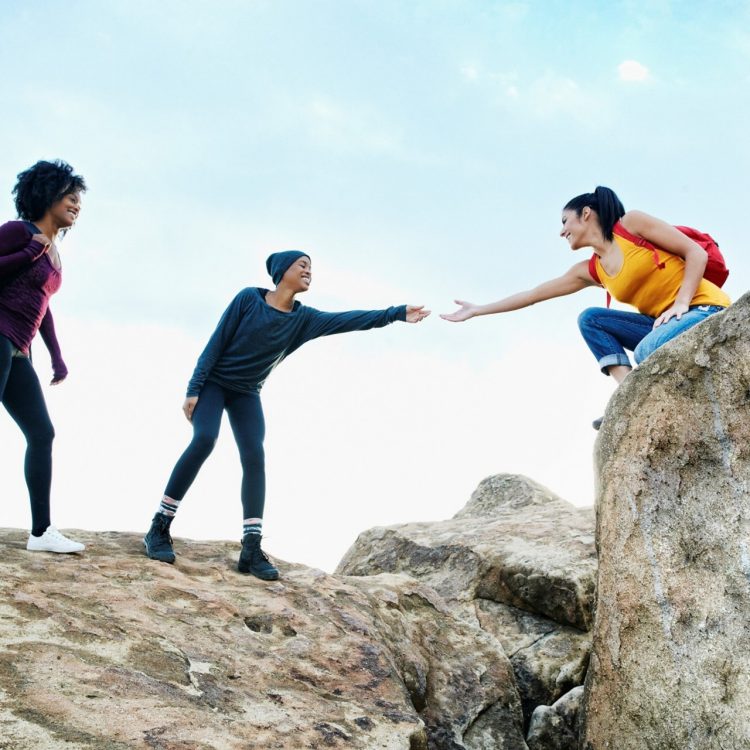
<point>203,443</point>
<point>41,435</point>
<point>587,318</point>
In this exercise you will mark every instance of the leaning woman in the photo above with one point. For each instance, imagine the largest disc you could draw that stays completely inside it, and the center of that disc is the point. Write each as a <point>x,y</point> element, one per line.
<point>257,331</point>
<point>48,201</point>
<point>641,261</point>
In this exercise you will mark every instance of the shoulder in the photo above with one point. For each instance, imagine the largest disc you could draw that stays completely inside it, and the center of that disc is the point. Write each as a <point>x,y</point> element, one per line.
<point>249,295</point>
<point>15,230</point>
<point>638,222</point>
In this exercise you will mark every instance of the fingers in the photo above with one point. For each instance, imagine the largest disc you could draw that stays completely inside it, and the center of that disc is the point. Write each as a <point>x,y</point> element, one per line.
<point>188,407</point>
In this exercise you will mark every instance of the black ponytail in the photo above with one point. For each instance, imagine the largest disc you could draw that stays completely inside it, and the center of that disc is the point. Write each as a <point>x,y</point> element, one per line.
<point>604,202</point>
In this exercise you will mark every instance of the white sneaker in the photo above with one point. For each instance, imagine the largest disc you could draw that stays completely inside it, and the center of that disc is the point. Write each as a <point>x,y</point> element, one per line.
<point>53,541</point>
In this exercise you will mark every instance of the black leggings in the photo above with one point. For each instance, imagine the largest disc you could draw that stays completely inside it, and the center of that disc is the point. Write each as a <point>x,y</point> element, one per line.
<point>249,428</point>
<point>21,395</point>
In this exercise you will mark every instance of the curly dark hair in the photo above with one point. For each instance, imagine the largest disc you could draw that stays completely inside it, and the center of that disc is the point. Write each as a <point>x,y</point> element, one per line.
<point>42,185</point>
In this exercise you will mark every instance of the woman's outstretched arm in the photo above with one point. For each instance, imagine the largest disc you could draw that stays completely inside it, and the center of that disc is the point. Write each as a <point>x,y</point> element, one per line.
<point>573,280</point>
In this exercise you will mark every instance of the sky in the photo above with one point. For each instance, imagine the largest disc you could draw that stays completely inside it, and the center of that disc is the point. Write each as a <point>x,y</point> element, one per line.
<point>420,152</point>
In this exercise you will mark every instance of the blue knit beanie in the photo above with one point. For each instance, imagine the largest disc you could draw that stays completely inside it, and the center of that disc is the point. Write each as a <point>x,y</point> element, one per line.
<point>278,263</point>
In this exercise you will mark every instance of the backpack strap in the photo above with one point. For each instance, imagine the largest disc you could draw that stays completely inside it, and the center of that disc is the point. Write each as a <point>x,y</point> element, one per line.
<point>595,276</point>
<point>620,231</point>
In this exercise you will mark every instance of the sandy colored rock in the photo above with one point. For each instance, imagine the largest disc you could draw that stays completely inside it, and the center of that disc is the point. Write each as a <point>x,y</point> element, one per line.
<point>518,561</point>
<point>548,659</point>
<point>671,662</point>
<point>515,542</point>
<point>556,727</point>
<point>114,651</point>
<point>465,699</point>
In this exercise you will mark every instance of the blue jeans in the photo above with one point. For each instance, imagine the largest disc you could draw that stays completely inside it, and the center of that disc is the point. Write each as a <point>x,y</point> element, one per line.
<point>609,333</point>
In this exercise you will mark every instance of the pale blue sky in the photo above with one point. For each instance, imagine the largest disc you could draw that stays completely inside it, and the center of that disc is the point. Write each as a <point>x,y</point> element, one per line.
<point>420,151</point>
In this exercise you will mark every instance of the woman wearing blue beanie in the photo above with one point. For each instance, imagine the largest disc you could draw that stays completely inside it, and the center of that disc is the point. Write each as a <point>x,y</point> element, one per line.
<point>257,331</point>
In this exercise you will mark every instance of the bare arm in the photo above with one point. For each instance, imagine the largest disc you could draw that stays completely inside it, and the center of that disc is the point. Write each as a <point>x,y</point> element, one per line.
<point>573,280</point>
<point>666,237</point>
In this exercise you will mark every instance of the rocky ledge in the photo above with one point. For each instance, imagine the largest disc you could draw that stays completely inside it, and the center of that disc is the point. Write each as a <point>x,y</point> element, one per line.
<point>112,650</point>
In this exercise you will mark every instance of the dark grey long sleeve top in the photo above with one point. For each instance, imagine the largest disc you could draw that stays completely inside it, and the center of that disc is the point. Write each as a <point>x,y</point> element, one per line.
<point>252,338</point>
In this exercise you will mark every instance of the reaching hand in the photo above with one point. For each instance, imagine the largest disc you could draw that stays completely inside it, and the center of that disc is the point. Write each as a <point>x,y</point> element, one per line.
<point>415,313</point>
<point>676,311</point>
<point>467,310</point>
<point>189,407</point>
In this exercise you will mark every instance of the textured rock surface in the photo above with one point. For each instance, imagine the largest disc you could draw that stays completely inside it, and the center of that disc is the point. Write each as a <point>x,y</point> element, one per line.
<point>515,542</point>
<point>555,727</point>
<point>116,651</point>
<point>479,708</point>
<point>518,560</point>
<point>548,659</point>
<point>671,661</point>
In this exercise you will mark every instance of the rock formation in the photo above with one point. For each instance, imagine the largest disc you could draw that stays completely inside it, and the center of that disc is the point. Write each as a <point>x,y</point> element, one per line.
<point>671,661</point>
<point>556,727</point>
<point>517,560</point>
<point>113,651</point>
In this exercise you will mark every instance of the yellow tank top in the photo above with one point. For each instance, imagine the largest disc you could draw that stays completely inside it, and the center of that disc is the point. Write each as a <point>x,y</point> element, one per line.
<point>653,288</point>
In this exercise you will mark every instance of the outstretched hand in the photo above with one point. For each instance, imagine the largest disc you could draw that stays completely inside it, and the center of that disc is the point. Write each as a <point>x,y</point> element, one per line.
<point>415,313</point>
<point>466,310</point>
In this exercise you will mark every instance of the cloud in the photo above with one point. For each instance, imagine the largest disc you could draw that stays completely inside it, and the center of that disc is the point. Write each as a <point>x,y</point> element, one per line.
<point>350,128</point>
<point>470,71</point>
<point>632,70</point>
<point>552,95</point>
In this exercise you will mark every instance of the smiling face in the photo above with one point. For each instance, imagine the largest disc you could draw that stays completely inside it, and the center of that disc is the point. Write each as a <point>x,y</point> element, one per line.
<point>576,229</point>
<point>299,275</point>
<point>65,211</point>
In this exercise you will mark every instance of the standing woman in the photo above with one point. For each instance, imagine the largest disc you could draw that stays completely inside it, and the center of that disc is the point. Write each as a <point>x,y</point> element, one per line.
<point>257,331</point>
<point>48,201</point>
<point>663,282</point>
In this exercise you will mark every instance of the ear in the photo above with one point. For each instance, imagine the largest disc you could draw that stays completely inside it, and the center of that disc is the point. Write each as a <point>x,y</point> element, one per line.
<point>585,213</point>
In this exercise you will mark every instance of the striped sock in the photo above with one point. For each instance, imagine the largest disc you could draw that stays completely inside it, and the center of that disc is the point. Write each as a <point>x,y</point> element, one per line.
<point>168,506</point>
<point>252,526</point>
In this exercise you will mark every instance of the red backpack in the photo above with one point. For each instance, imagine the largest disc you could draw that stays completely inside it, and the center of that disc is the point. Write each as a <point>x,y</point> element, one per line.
<point>716,268</point>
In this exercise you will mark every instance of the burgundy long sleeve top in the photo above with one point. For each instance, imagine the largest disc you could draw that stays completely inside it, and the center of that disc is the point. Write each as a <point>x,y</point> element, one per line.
<point>27,281</point>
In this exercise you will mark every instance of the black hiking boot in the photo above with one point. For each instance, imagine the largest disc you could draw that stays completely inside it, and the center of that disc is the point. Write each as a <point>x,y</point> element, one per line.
<point>158,542</point>
<point>255,561</point>
<point>597,423</point>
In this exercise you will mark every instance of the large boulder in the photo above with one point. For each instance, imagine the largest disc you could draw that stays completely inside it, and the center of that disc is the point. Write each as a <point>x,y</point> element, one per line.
<point>671,662</point>
<point>515,542</point>
<point>112,650</point>
<point>519,561</point>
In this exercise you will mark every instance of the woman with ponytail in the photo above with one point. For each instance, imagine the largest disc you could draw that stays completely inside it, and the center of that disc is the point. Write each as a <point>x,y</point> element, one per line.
<point>641,261</point>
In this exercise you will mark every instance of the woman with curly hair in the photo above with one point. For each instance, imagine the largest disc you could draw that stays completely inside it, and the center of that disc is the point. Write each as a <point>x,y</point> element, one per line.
<point>48,201</point>
<point>640,260</point>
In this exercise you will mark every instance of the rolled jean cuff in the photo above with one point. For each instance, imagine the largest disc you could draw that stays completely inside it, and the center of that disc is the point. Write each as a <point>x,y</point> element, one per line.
<point>613,360</point>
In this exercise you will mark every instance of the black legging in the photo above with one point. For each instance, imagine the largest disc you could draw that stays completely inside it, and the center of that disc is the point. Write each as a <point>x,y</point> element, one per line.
<point>249,428</point>
<point>21,395</point>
